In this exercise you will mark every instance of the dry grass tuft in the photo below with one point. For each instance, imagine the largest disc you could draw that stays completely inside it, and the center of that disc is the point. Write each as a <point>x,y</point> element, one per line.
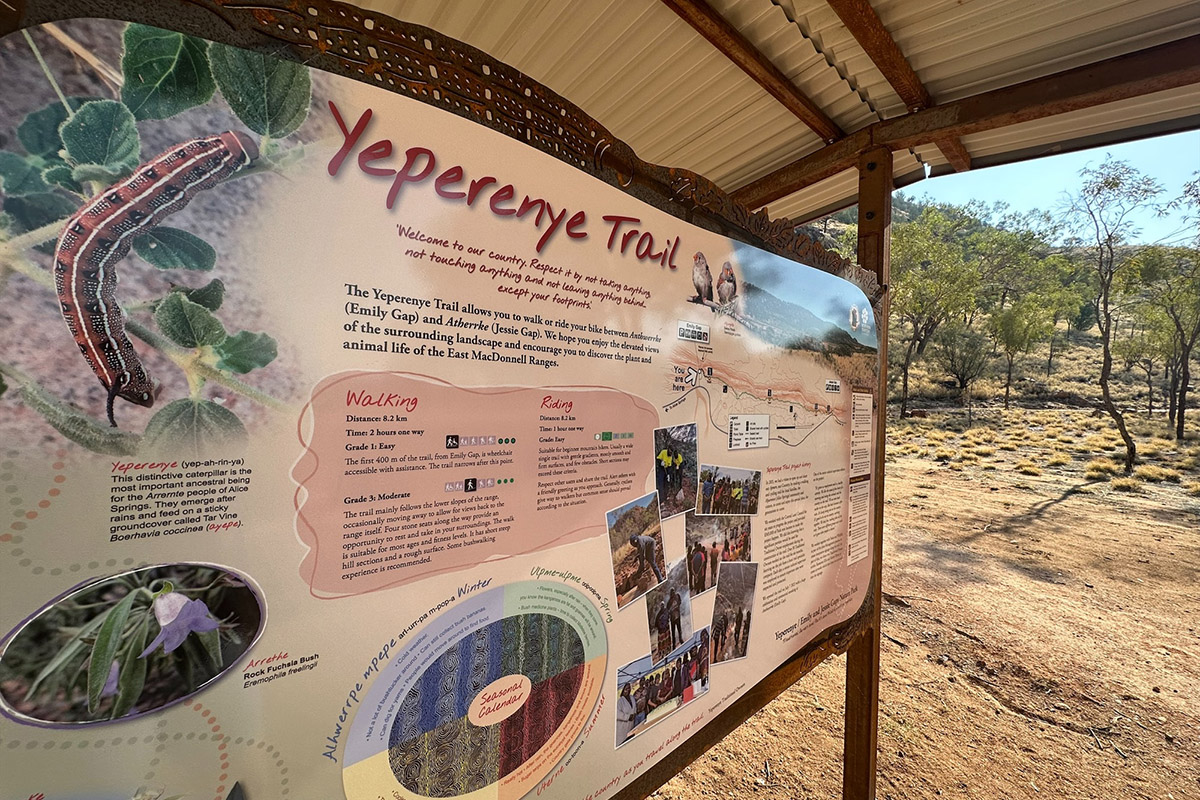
<point>1100,467</point>
<point>1126,484</point>
<point>1101,441</point>
<point>1154,474</point>
<point>1155,447</point>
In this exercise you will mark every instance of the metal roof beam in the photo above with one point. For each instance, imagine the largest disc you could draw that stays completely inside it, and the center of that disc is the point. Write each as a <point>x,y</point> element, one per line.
<point>955,152</point>
<point>1165,66</point>
<point>738,49</point>
<point>868,30</point>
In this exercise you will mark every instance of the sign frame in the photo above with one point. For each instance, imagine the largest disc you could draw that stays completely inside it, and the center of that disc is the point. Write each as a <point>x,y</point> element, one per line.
<point>454,78</point>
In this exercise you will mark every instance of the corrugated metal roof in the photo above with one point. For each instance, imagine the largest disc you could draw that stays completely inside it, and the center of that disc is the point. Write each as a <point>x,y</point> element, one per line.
<point>1150,112</point>
<point>964,47</point>
<point>644,74</point>
<point>653,81</point>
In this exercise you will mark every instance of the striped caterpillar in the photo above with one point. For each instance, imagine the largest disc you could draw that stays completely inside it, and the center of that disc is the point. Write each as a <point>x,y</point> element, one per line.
<point>100,235</point>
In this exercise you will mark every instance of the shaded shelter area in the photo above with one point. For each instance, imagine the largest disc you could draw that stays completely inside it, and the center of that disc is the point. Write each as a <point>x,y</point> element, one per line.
<point>801,107</point>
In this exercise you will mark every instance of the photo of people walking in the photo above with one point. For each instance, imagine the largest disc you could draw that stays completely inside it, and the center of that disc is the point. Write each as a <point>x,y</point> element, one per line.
<point>647,692</point>
<point>669,611</point>
<point>711,540</point>
<point>732,611</point>
<point>725,490</point>
<point>675,463</point>
<point>635,539</point>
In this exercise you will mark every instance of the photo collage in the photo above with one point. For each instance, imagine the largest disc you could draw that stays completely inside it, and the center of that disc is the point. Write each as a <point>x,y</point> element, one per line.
<point>708,509</point>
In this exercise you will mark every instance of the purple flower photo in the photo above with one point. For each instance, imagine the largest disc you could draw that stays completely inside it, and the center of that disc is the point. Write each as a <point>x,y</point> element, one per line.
<point>128,644</point>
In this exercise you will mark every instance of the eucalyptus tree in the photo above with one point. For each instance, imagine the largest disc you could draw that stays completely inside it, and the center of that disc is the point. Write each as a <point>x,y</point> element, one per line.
<point>931,283</point>
<point>1148,347</point>
<point>1016,329</point>
<point>1168,280</point>
<point>1103,214</point>
<point>962,352</point>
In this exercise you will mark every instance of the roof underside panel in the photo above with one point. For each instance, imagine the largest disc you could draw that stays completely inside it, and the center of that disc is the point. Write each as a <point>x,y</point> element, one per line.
<point>820,24</point>
<point>770,29</point>
<point>654,82</point>
<point>648,77</point>
<point>1162,112</point>
<point>963,47</point>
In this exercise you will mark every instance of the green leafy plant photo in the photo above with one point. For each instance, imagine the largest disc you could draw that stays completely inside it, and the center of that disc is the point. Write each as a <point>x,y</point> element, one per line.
<point>78,152</point>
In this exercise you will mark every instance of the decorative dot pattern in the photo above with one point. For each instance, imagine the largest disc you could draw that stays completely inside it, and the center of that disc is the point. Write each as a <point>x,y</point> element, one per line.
<point>225,779</point>
<point>21,511</point>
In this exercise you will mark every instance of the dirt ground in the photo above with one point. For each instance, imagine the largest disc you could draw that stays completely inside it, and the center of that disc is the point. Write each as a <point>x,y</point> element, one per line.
<point>1040,641</point>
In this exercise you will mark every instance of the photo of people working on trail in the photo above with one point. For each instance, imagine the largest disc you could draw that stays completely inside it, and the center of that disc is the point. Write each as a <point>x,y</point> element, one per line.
<point>648,691</point>
<point>732,611</point>
<point>725,490</point>
<point>675,463</point>
<point>635,538</point>
<point>710,541</point>
<point>669,612</point>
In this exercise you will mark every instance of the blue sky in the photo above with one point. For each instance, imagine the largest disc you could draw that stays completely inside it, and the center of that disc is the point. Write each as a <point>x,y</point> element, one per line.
<point>1042,183</point>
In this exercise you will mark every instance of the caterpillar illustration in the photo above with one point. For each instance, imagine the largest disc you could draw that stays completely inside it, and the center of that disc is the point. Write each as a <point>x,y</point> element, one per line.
<point>100,235</point>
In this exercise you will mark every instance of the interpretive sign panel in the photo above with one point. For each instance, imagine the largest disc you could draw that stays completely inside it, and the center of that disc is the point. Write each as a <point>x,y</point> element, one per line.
<point>350,445</point>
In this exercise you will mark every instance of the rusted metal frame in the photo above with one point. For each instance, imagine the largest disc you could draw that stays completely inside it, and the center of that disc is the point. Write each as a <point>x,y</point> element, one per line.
<point>868,30</point>
<point>875,183</point>
<point>1165,66</point>
<point>955,152</point>
<point>738,49</point>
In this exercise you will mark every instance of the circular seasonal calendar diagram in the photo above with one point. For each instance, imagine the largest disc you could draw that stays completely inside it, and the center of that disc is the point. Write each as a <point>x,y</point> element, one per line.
<point>484,702</point>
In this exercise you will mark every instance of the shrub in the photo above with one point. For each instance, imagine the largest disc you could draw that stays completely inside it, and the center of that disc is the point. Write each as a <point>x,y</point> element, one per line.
<point>1058,459</point>
<point>1126,484</point>
<point>982,435</point>
<point>1028,468</point>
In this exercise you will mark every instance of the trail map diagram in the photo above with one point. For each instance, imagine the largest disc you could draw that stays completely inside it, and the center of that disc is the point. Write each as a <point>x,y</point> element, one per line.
<point>791,390</point>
